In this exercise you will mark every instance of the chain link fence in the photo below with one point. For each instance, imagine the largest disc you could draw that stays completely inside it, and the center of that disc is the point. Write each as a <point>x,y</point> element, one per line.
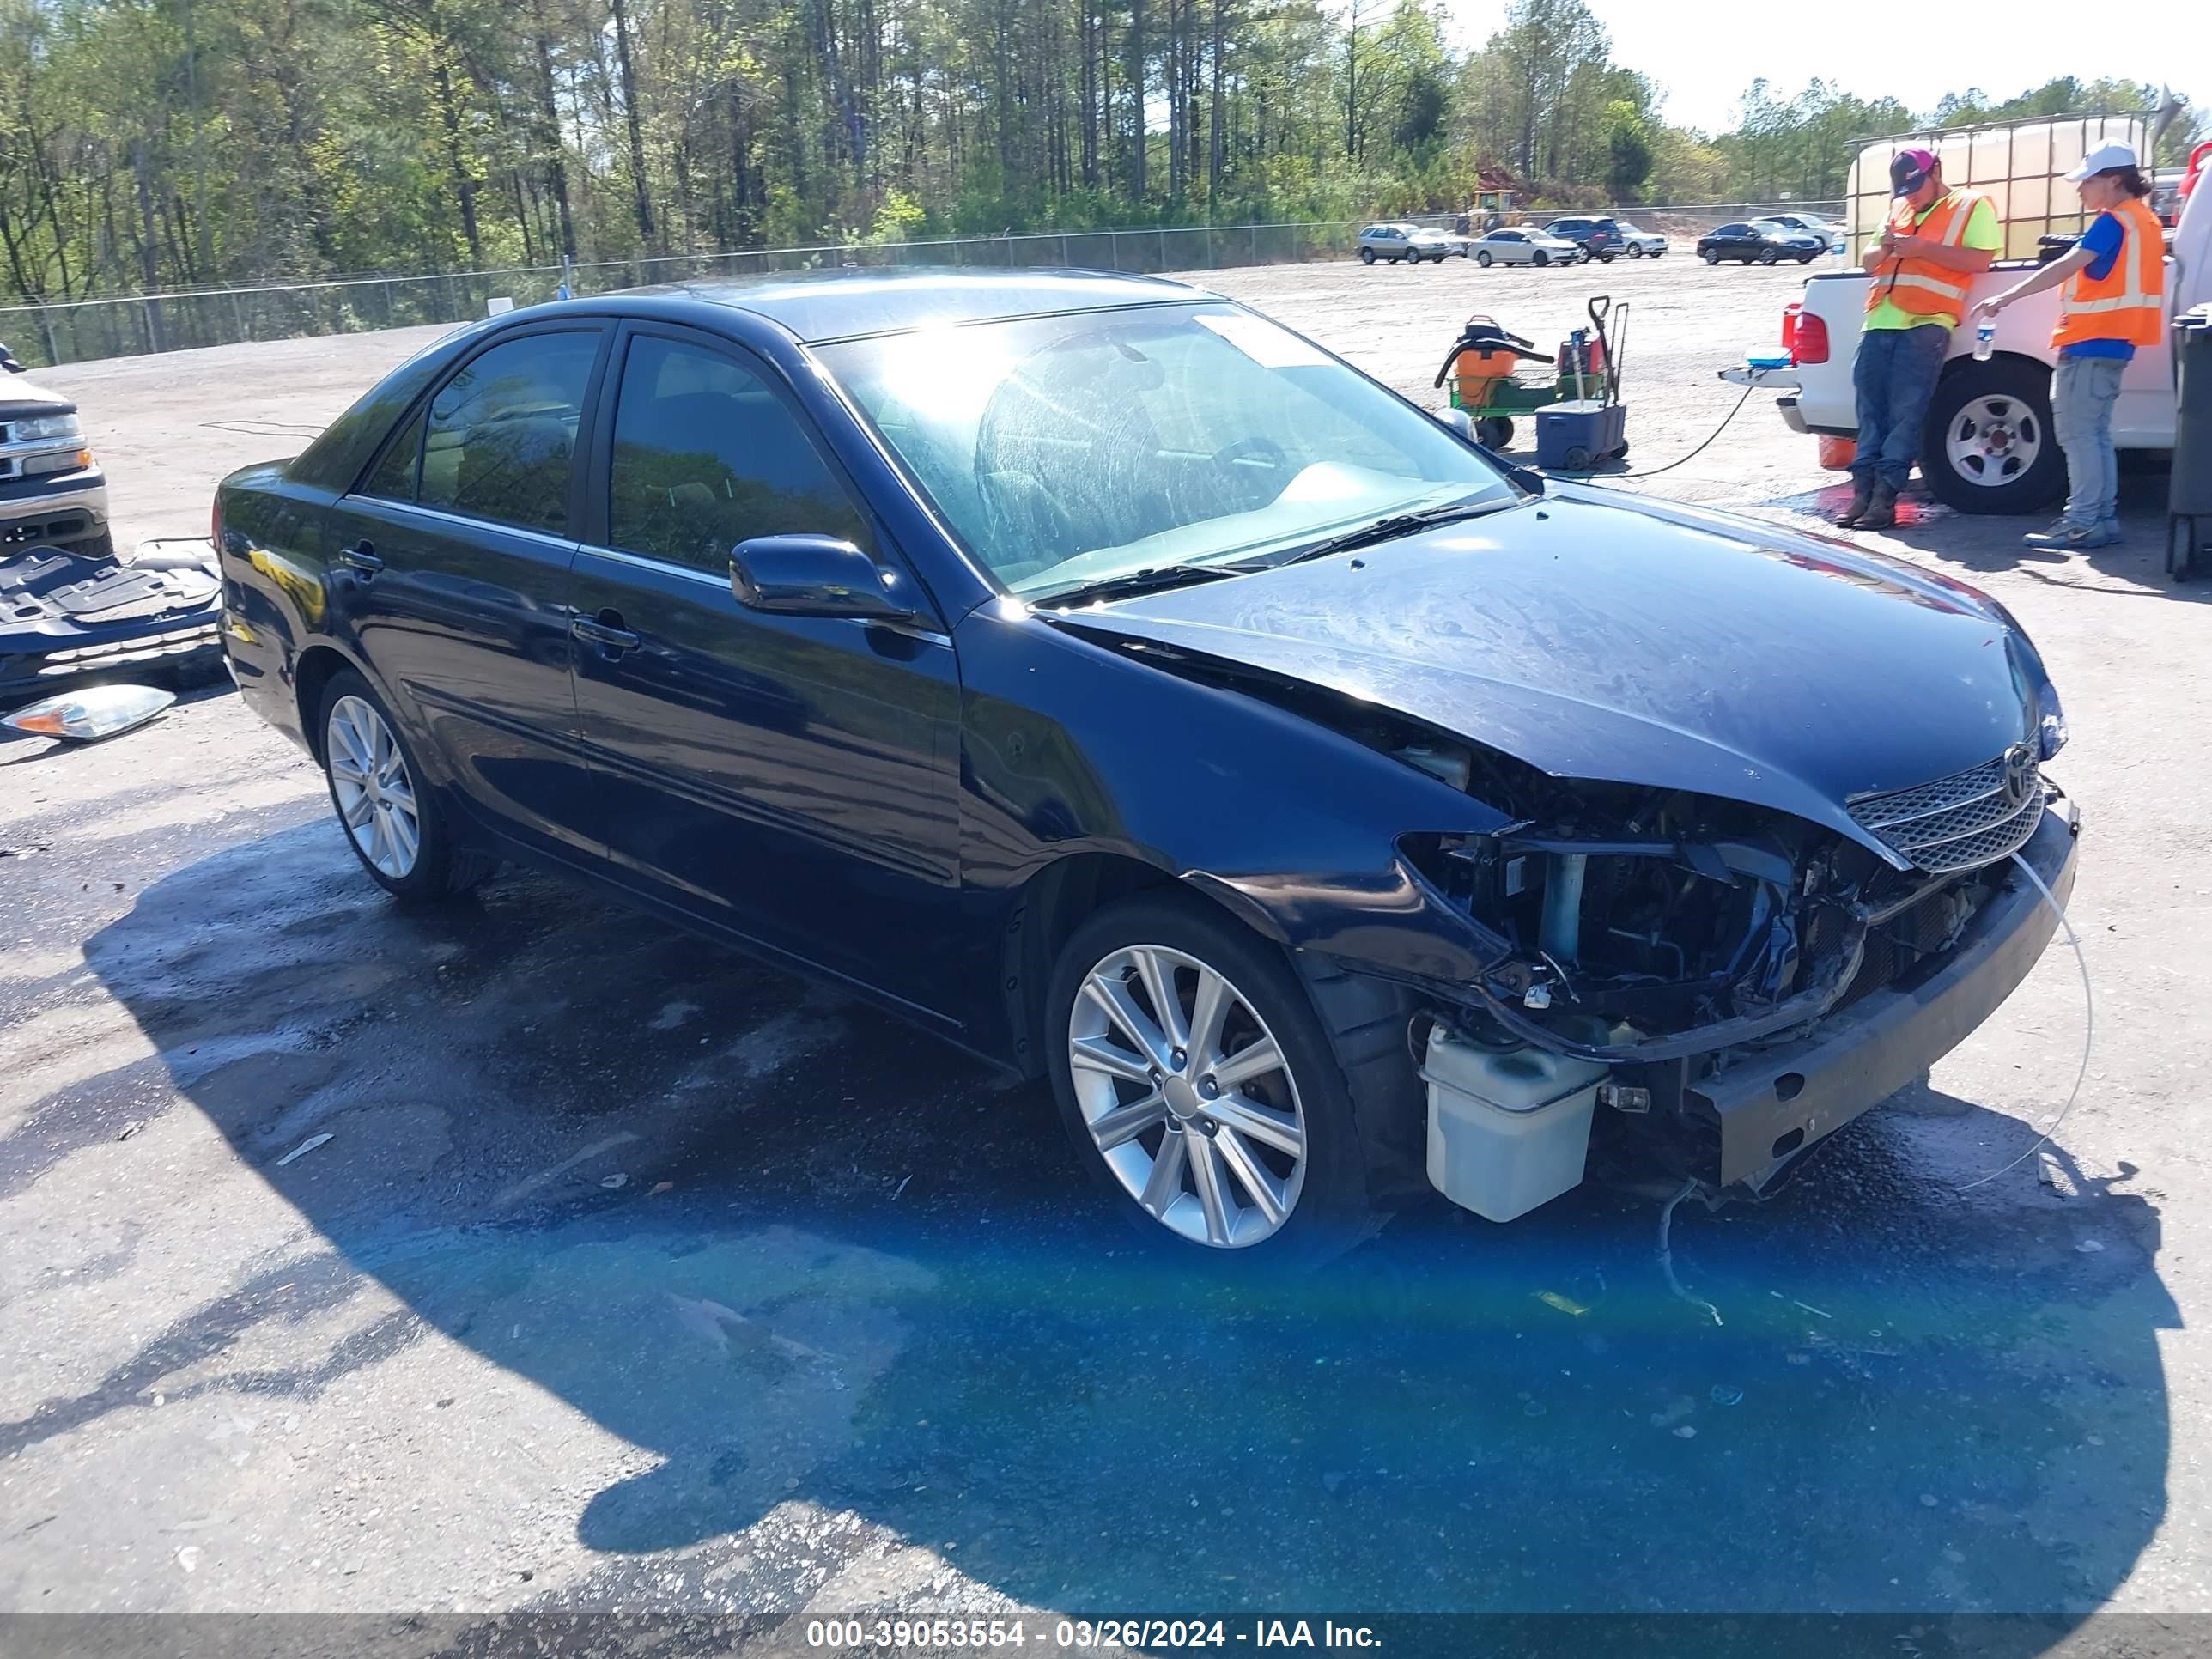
<point>135,324</point>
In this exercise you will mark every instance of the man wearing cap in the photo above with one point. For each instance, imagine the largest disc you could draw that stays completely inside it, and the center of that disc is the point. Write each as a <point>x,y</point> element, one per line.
<point>2113,301</point>
<point>1937,242</point>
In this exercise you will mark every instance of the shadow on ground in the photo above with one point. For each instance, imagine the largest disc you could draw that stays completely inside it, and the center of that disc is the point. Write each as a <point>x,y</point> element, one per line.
<point>878,1284</point>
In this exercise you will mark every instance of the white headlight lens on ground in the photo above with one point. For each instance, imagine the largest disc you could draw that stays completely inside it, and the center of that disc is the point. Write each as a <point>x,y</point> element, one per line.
<point>98,711</point>
<point>46,426</point>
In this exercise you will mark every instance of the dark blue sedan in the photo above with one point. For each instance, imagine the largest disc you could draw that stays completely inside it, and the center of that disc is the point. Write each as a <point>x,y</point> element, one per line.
<point>1124,688</point>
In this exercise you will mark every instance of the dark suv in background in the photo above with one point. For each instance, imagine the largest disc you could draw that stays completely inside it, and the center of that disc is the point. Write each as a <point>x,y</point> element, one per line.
<point>1598,239</point>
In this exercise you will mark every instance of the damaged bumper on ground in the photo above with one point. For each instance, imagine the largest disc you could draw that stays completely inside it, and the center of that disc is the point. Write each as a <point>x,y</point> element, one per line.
<point>68,617</point>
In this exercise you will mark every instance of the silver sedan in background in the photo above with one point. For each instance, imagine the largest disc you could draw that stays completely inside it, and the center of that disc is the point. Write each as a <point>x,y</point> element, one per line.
<point>1522,245</point>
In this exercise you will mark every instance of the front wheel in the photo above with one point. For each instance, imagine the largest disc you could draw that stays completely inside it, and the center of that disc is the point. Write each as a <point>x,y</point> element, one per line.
<point>1367,255</point>
<point>1712,256</point>
<point>394,821</point>
<point>1806,258</point>
<point>1542,258</point>
<point>1635,252</point>
<point>1988,445</point>
<point>1769,256</point>
<point>1202,1088</point>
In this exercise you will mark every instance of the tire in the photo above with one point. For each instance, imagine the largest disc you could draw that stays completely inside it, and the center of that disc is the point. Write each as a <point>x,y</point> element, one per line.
<point>1711,256</point>
<point>1988,445</point>
<point>1806,258</point>
<point>1635,251</point>
<point>1323,1193</point>
<point>440,868</point>
<point>1541,257</point>
<point>1604,258</point>
<point>1367,255</point>
<point>1483,259</point>
<point>1493,432</point>
<point>1579,460</point>
<point>1769,256</point>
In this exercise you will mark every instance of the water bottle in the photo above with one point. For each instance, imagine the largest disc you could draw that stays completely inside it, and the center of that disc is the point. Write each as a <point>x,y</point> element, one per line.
<point>1985,338</point>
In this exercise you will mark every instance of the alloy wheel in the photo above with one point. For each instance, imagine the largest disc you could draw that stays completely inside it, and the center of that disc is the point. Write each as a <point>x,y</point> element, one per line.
<point>375,794</point>
<point>1993,440</point>
<point>1188,1097</point>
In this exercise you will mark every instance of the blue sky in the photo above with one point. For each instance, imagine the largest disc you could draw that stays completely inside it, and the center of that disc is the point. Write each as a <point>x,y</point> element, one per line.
<point>1705,52</point>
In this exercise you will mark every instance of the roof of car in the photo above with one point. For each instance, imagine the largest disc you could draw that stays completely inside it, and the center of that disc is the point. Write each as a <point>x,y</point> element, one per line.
<point>835,304</point>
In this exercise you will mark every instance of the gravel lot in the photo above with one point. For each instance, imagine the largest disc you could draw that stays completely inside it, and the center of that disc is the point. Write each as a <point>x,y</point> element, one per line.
<point>633,1275</point>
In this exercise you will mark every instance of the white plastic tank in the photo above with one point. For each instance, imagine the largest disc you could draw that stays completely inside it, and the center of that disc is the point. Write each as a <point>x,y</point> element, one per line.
<point>2021,166</point>
<point>1509,1128</point>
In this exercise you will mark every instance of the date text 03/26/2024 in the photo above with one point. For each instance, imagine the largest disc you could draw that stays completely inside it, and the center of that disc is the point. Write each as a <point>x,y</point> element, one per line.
<point>854,1635</point>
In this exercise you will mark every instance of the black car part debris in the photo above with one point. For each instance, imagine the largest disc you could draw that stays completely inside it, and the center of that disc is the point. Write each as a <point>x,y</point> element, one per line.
<point>67,618</point>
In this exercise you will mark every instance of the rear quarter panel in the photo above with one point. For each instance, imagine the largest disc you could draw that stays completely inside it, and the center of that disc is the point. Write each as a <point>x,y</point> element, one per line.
<point>275,554</point>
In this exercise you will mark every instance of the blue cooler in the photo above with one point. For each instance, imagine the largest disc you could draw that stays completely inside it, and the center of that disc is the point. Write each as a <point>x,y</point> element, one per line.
<point>1575,435</point>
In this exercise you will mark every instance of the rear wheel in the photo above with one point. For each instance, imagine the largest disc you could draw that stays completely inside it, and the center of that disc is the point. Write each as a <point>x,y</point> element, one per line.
<point>1988,445</point>
<point>394,821</point>
<point>1203,1090</point>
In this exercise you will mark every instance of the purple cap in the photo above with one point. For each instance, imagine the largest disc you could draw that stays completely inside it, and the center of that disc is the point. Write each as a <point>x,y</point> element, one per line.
<point>1909,170</point>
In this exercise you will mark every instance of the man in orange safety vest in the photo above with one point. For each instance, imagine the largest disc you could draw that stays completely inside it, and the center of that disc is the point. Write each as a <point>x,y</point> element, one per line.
<point>1937,241</point>
<point>2113,301</point>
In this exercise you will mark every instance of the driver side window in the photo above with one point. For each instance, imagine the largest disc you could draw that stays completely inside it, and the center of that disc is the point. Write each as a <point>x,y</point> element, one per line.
<point>705,456</point>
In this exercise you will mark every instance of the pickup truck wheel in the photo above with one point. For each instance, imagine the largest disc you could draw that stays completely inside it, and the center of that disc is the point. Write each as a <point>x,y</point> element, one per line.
<point>1204,1089</point>
<point>394,821</point>
<point>1988,445</point>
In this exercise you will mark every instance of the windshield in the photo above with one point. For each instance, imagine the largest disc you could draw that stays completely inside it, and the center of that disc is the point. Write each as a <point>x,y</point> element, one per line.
<point>1070,450</point>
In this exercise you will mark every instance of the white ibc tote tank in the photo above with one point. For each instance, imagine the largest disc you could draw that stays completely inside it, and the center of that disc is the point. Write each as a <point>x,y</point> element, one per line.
<point>2021,166</point>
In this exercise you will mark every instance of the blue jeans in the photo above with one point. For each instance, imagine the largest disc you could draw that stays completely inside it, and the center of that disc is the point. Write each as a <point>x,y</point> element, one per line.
<point>1895,378</point>
<point>2082,392</point>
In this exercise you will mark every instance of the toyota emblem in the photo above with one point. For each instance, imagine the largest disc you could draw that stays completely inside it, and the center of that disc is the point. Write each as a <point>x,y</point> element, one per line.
<point>2019,771</point>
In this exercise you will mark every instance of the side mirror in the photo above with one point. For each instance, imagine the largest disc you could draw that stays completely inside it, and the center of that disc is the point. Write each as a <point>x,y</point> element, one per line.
<point>812,576</point>
<point>1459,421</point>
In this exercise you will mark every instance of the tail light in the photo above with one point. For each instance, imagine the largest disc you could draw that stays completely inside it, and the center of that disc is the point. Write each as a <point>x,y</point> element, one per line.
<point>1790,314</point>
<point>1809,340</point>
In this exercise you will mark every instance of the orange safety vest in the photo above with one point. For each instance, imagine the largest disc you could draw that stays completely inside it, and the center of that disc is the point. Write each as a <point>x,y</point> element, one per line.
<point>2127,302</point>
<point>1920,287</point>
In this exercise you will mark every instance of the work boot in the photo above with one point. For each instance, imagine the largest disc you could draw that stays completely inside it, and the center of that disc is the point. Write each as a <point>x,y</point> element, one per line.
<point>1862,497</point>
<point>1881,511</point>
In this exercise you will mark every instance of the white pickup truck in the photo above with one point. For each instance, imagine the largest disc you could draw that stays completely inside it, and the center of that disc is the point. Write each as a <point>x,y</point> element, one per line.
<point>1988,447</point>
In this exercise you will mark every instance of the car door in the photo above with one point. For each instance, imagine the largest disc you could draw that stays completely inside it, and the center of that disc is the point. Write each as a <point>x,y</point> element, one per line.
<point>1734,240</point>
<point>793,778</point>
<point>453,573</point>
<point>1510,246</point>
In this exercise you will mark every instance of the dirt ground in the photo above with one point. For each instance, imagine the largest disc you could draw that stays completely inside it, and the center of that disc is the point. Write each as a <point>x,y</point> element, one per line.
<point>633,1275</point>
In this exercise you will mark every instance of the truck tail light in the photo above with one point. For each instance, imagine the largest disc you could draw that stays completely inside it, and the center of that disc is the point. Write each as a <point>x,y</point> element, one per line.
<point>1809,340</point>
<point>1790,314</point>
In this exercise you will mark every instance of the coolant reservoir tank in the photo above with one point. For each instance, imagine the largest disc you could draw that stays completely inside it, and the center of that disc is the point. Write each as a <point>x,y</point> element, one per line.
<point>1508,1128</point>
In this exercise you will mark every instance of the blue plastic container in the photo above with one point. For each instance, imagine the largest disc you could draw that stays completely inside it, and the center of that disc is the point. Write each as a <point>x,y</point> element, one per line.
<point>1575,435</point>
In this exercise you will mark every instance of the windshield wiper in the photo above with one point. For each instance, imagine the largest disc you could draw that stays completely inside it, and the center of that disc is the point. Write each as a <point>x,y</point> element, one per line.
<point>1396,525</point>
<point>1153,579</point>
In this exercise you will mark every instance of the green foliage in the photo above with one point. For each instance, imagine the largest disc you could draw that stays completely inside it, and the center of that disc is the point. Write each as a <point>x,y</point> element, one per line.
<point>166,144</point>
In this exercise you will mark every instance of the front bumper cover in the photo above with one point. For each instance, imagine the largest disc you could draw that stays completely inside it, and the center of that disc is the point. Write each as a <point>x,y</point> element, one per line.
<point>1772,1105</point>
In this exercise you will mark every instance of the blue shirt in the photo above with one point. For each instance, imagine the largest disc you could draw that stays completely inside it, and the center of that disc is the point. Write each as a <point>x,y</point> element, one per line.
<point>2103,241</point>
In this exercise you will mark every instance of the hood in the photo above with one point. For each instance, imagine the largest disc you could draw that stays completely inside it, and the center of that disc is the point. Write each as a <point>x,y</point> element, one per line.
<point>20,396</point>
<point>1593,635</point>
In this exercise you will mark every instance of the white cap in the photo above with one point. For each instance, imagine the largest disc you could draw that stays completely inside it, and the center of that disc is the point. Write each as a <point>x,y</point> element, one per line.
<point>2103,161</point>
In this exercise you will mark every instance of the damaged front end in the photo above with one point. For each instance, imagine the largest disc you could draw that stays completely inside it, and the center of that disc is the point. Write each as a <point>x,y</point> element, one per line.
<point>1681,942</point>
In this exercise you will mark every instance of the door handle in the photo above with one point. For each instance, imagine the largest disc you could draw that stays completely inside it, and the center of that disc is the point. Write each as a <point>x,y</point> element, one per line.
<point>360,556</point>
<point>604,633</point>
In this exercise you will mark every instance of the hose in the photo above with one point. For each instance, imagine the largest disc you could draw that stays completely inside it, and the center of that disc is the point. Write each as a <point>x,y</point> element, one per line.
<point>2089,1028</point>
<point>1618,477</point>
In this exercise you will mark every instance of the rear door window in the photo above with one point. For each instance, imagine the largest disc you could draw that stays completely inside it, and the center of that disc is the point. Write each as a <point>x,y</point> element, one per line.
<point>502,434</point>
<point>706,456</point>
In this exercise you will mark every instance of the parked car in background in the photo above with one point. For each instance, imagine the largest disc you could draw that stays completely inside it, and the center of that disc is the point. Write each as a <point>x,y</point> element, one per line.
<point>1639,243</point>
<point>1517,244</point>
<point>52,491</point>
<point>1760,241</point>
<point>1598,239</point>
<point>880,624</point>
<point>1409,244</point>
<point>1812,225</point>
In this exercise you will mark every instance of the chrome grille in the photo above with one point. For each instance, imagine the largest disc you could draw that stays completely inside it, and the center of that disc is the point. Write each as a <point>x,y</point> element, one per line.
<point>1962,822</point>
